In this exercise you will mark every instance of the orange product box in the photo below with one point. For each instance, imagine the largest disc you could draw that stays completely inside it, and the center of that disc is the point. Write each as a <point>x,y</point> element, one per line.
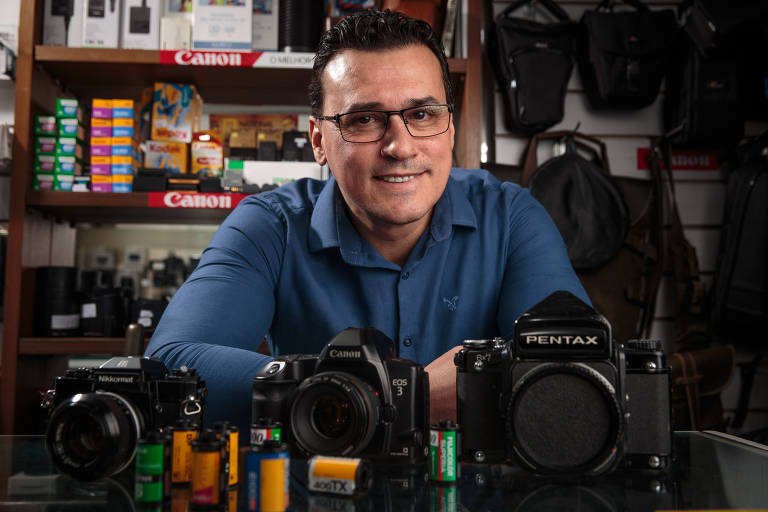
<point>171,156</point>
<point>206,155</point>
<point>176,112</point>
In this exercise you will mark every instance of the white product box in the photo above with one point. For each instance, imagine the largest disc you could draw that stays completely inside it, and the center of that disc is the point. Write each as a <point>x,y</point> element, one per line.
<point>9,24</point>
<point>265,24</point>
<point>56,30</point>
<point>279,173</point>
<point>175,33</point>
<point>223,27</point>
<point>101,23</point>
<point>141,24</point>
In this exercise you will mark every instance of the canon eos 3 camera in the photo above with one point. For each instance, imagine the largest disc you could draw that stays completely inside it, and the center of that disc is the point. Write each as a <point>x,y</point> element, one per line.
<point>98,414</point>
<point>561,397</point>
<point>354,399</point>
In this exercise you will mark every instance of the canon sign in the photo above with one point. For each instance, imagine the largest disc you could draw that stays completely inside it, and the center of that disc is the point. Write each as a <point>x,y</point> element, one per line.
<point>190,58</point>
<point>179,200</point>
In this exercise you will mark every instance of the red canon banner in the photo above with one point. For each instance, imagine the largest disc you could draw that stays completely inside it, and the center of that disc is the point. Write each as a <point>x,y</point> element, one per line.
<point>296,60</point>
<point>193,200</point>
<point>686,160</point>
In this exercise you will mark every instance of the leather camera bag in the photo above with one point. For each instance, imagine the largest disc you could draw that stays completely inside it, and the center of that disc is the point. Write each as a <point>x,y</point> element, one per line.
<point>622,55</point>
<point>532,62</point>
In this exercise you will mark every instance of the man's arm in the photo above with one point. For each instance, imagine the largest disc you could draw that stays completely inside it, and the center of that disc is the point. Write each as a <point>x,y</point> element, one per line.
<point>218,318</point>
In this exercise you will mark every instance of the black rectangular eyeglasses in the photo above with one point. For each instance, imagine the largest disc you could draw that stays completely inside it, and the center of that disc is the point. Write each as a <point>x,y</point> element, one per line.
<point>370,125</point>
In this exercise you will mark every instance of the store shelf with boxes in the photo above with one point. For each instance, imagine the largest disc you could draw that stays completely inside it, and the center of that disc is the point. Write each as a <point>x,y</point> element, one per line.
<point>41,222</point>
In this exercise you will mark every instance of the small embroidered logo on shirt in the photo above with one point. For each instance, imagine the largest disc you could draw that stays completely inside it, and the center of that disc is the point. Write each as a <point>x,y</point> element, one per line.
<point>452,303</point>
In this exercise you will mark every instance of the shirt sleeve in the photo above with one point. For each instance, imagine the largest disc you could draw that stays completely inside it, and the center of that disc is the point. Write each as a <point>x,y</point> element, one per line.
<point>537,262</point>
<point>220,315</point>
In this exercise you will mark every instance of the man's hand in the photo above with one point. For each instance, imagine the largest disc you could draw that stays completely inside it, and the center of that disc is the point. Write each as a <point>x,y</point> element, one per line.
<point>442,387</point>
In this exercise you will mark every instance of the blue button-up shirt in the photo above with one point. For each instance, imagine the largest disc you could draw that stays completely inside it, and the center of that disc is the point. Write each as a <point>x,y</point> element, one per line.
<point>289,265</point>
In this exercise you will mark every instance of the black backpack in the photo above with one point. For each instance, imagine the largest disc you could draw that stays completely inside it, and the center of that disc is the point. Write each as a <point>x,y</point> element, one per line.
<point>533,62</point>
<point>702,102</point>
<point>739,294</point>
<point>580,196</point>
<point>716,24</point>
<point>622,56</point>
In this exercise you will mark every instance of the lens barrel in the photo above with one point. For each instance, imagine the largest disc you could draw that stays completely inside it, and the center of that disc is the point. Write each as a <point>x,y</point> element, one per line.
<point>334,414</point>
<point>93,435</point>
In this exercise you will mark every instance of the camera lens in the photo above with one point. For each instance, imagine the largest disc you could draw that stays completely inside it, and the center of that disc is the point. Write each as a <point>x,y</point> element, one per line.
<point>334,414</point>
<point>564,418</point>
<point>93,435</point>
<point>330,415</point>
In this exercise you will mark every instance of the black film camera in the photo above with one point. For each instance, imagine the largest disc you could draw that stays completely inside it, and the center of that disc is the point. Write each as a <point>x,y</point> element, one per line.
<point>98,414</point>
<point>562,398</point>
<point>354,399</point>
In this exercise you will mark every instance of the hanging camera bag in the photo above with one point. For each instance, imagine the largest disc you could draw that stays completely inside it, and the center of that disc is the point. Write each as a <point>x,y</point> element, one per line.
<point>624,287</point>
<point>622,56</point>
<point>715,24</point>
<point>533,62</point>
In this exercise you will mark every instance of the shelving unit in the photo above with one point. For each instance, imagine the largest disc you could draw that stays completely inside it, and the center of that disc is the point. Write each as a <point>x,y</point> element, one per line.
<point>41,223</point>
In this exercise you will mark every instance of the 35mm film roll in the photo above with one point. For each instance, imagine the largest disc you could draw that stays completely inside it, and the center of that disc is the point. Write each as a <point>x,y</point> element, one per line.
<point>337,475</point>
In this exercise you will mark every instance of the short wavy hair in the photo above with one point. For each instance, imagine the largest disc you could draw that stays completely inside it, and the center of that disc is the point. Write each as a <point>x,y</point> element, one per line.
<point>373,30</point>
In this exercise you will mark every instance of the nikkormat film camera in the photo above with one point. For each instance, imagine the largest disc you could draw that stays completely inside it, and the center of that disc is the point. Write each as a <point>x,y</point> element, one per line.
<point>561,397</point>
<point>354,399</point>
<point>97,415</point>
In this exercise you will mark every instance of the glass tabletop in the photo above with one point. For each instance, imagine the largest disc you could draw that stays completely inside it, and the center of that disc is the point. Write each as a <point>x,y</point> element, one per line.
<point>710,470</point>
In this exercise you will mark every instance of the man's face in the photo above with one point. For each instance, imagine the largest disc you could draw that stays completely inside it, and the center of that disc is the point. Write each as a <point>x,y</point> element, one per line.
<point>398,179</point>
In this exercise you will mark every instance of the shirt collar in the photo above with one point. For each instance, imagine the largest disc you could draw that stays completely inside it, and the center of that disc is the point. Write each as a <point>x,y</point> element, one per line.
<point>330,225</point>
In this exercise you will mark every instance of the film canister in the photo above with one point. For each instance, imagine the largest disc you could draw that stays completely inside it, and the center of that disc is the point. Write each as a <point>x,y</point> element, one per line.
<point>181,498</point>
<point>338,475</point>
<point>150,468</point>
<point>231,436</point>
<point>444,440</point>
<point>206,469</point>
<point>267,476</point>
<point>266,428</point>
<point>183,433</point>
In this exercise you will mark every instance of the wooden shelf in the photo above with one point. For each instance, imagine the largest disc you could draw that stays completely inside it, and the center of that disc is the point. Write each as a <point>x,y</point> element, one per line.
<point>90,72</point>
<point>109,208</point>
<point>70,346</point>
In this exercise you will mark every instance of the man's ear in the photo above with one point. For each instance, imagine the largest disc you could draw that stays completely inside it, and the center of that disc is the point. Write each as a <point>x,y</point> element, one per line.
<point>316,137</point>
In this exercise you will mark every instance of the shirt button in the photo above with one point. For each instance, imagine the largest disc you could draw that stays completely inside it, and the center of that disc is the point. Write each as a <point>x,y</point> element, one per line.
<point>406,275</point>
<point>407,342</point>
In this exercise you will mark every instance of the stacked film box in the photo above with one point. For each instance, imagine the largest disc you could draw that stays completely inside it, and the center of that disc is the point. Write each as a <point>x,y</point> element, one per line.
<point>58,148</point>
<point>176,113</point>
<point>101,145</point>
<point>114,145</point>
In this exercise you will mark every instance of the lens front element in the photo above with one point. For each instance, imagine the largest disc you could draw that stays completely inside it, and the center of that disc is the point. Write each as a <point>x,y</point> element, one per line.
<point>334,414</point>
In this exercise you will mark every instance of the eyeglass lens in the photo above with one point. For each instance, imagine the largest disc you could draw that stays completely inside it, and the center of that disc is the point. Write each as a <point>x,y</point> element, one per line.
<point>422,121</point>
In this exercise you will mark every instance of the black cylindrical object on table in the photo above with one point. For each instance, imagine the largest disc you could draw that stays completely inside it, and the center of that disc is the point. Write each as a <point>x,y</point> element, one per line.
<point>300,25</point>
<point>57,309</point>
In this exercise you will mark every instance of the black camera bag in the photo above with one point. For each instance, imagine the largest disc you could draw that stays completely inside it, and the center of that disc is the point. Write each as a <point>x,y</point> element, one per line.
<point>533,62</point>
<point>716,24</point>
<point>580,196</point>
<point>702,101</point>
<point>622,55</point>
<point>739,294</point>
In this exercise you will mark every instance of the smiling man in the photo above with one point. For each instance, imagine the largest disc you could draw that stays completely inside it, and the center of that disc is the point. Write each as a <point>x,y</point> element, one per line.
<point>396,239</point>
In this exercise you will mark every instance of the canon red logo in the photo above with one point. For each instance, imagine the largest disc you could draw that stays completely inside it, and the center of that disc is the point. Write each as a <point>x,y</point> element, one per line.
<point>179,200</point>
<point>190,58</point>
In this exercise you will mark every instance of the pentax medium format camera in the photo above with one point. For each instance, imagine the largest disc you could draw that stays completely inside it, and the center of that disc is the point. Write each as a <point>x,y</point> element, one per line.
<point>561,397</point>
<point>97,415</point>
<point>354,399</point>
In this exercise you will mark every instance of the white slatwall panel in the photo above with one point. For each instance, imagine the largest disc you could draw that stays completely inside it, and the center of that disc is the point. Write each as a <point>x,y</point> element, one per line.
<point>700,193</point>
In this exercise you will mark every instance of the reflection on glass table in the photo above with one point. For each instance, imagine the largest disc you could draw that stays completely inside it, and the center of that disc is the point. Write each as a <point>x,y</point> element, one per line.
<point>710,471</point>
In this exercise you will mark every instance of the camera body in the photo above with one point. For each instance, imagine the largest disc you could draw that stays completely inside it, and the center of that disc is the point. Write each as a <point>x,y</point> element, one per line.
<point>97,415</point>
<point>561,397</point>
<point>353,399</point>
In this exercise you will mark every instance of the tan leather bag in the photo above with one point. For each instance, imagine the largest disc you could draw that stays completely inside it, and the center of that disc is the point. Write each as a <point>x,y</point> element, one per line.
<point>698,379</point>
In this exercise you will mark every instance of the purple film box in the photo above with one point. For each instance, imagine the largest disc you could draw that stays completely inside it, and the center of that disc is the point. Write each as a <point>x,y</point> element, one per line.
<point>101,109</point>
<point>101,187</point>
<point>101,131</point>
<point>101,150</point>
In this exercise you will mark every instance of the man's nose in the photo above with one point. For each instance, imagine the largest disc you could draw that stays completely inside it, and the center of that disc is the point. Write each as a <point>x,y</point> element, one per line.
<point>398,142</point>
